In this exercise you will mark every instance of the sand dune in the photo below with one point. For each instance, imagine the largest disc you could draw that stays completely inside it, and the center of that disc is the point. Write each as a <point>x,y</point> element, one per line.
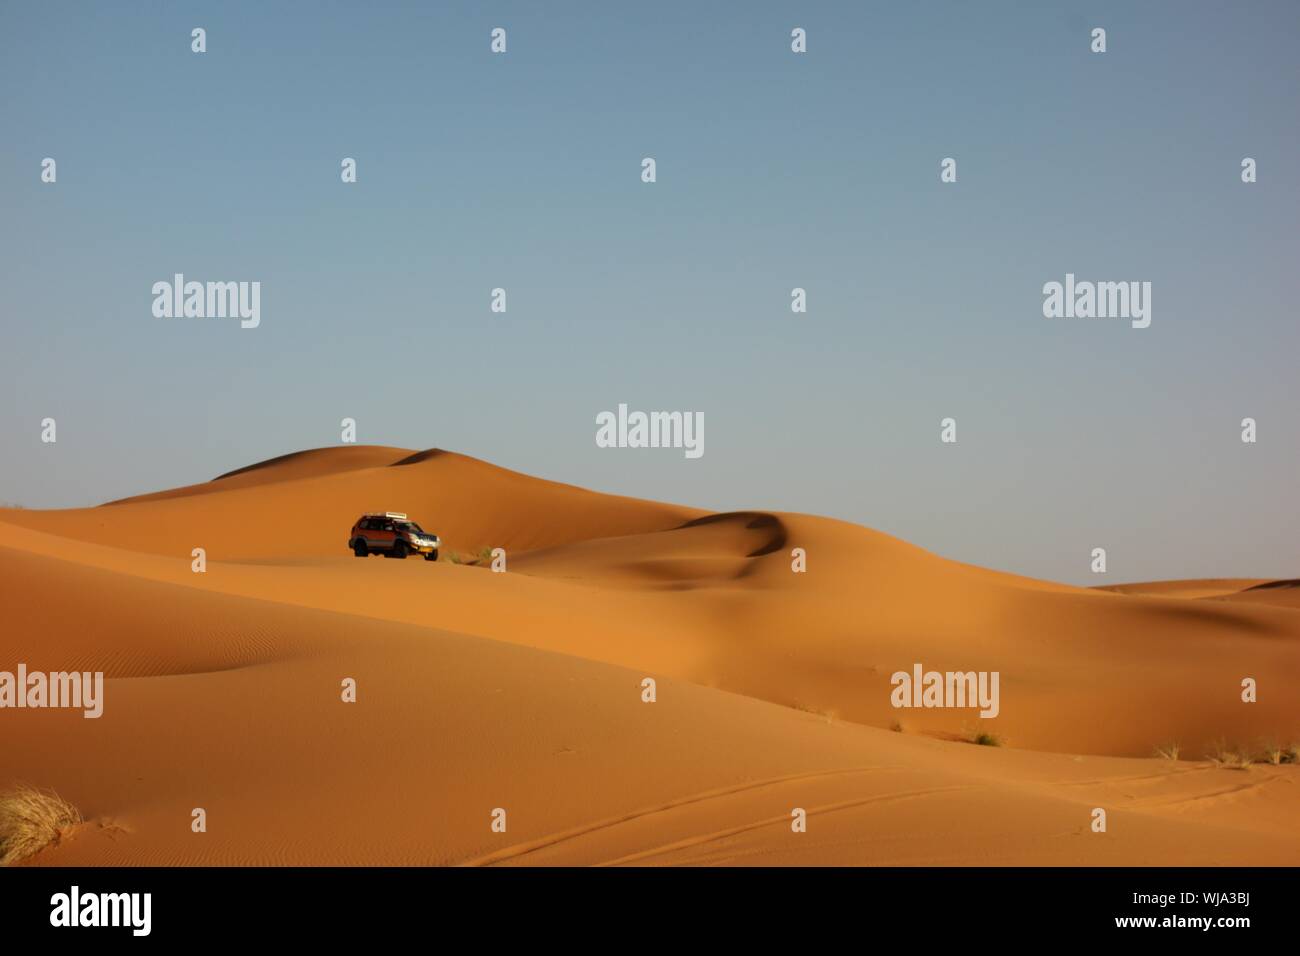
<point>301,506</point>
<point>522,690</point>
<point>1281,593</point>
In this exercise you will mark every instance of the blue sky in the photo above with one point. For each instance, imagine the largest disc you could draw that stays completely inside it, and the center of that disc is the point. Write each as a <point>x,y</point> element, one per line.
<point>775,170</point>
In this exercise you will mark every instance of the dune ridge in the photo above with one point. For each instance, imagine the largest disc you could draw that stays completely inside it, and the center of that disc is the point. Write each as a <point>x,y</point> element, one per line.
<point>523,690</point>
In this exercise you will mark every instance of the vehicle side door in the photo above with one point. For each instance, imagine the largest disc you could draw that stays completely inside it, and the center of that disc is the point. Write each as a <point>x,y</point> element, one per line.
<point>384,534</point>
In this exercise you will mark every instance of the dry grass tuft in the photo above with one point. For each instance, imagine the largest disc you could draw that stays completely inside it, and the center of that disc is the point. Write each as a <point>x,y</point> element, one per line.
<point>1229,758</point>
<point>31,820</point>
<point>981,737</point>
<point>1279,753</point>
<point>1274,753</point>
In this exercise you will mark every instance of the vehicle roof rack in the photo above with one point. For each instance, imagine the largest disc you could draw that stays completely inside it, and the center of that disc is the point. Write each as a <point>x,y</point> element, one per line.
<point>399,515</point>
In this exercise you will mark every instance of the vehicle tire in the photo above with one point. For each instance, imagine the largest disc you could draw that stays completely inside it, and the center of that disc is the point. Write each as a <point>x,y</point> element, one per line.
<point>399,550</point>
<point>359,548</point>
<point>432,555</point>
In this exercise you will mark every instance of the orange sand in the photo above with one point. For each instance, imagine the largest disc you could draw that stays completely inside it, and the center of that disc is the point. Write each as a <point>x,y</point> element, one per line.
<point>522,690</point>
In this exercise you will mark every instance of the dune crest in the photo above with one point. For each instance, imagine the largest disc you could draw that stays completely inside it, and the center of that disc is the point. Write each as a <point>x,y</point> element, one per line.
<point>524,690</point>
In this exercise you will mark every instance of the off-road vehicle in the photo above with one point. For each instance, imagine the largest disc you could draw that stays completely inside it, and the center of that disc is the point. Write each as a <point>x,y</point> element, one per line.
<point>391,534</point>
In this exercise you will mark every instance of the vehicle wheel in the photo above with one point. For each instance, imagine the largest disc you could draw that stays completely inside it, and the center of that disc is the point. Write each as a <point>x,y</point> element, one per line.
<point>359,548</point>
<point>431,556</point>
<point>399,549</point>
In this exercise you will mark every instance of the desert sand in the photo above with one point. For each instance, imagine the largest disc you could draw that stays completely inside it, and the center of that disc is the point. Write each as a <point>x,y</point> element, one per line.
<point>523,690</point>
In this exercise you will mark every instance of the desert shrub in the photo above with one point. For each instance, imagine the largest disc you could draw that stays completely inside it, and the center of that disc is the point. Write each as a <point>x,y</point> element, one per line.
<point>31,820</point>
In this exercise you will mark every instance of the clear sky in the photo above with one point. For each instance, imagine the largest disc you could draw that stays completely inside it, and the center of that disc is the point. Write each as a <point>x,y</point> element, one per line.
<point>775,170</point>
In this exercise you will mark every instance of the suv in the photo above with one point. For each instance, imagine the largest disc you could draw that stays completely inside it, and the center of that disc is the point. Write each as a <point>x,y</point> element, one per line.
<point>390,533</point>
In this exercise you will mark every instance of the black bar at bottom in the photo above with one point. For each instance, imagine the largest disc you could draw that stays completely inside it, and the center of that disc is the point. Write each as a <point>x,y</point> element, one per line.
<point>331,905</point>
